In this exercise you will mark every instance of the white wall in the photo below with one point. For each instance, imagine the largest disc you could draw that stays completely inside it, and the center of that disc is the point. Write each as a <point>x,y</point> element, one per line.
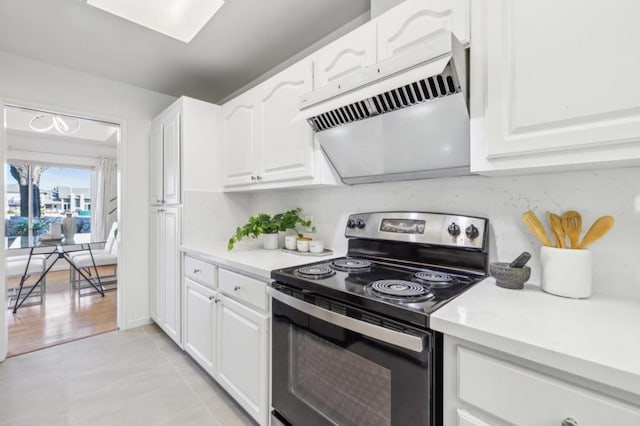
<point>502,200</point>
<point>42,85</point>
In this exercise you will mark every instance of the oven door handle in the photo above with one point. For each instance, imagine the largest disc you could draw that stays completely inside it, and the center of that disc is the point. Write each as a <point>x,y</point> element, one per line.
<point>397,338</point>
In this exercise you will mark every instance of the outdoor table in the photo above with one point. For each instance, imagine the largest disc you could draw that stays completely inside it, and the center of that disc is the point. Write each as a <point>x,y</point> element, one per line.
<point>60,248</point>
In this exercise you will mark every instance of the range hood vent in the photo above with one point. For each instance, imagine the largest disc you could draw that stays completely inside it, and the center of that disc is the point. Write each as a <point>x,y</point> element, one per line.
<point>404,117</point>
<point>425,90</point>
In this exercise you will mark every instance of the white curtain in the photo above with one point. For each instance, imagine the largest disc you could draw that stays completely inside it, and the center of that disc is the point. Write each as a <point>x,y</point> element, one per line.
<point>104,199</point>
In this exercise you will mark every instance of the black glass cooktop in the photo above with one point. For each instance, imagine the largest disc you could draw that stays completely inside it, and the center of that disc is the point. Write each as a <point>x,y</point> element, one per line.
<point>398,291</point>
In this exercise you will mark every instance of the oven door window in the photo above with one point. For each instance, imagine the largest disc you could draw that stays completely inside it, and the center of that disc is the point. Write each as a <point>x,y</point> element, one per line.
<point>346,387</point>
<point>326,375</point>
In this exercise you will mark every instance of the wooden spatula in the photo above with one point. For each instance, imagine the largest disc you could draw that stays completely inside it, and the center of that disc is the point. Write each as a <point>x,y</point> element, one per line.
<point>555,223</point>
<point>572,226</point>
<point>600,227</point>
<point>536,228</point>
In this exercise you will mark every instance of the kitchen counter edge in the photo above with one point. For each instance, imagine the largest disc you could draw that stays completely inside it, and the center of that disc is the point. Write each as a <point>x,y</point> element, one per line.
<point>592,338</point>
<point>250,260</point>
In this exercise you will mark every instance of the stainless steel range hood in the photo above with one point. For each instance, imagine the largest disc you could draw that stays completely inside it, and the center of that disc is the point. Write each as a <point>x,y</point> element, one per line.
<point>403,118</point>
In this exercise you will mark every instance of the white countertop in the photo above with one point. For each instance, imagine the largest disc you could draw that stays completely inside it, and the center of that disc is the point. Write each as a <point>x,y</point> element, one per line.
<point>250,259</point>
<point>596,338</point>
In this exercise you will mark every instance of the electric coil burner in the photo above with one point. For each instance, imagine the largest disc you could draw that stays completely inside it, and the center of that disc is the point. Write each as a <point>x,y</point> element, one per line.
<point>357,327</point>
<point>399,288</point>
<point>351,265</point>
<point>315,272</point>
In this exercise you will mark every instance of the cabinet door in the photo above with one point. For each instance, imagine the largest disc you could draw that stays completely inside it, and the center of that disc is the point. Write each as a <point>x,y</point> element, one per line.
<point>156,163</point>
<point>409,27</point>
<point>466,419</point>
<point>238,140</point>
<point>200,323</point>
<point>551,90</point>
<point>286,147</point>
<point>243,356</point>
<point>156,269</point>
<point>171,260</point>
<point>513,388</point>
<point>346,55</point>
<point>171,158</point>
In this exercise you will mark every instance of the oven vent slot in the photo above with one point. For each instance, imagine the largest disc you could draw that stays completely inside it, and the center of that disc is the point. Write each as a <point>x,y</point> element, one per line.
<point>323,303</point>
<point>342,310</point>
<point>370,318</point>
<point>418,92</point>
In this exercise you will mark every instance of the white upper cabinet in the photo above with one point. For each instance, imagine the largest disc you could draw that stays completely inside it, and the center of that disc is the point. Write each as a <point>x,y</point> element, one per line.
<point>171,157</point>
<point>184,150</point>
<point>543,91</point>
<point>348,54</point>
<point>165,156</point>
<point>239,139</point>
<point>156,164</point>
<point>264,145</point>
<point>412,24</point>
<point>286,147</point>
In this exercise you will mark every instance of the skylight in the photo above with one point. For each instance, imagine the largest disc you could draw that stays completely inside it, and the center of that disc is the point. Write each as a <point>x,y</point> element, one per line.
<point>180,19</point>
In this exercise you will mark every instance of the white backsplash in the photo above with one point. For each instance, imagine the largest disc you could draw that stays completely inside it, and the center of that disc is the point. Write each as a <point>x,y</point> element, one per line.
<point>212,216</point>
<point>616,257</point>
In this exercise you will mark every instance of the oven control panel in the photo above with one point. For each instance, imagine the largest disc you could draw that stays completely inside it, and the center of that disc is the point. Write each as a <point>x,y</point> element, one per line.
<point>419,227</point>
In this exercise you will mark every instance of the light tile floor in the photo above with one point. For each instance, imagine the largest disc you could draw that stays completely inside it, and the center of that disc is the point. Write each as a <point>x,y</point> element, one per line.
<point>135,377</point>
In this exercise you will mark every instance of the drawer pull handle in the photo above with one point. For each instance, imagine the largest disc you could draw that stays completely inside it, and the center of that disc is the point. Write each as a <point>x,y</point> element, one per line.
<point>211,298</point>
<point>196,271</point>
<point>236,288</point>
<point>569,421</point>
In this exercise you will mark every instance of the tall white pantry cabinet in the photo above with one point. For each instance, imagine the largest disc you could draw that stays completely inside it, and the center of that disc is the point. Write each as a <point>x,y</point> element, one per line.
<point>182,148</point>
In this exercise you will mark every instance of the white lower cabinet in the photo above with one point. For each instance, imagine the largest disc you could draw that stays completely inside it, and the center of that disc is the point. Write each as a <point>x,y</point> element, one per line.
<point>226,330</point>
<point>466,419</point>
<point>243,356</point>
<point>482,388</point>
<point>200,329</point>
<point>164,270</point>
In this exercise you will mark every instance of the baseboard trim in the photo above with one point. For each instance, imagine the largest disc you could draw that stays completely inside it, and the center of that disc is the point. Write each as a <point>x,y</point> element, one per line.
<point>138,322</point>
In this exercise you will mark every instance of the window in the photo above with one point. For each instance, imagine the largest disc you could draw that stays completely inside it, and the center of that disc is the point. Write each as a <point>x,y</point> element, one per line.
<point>38,195</point>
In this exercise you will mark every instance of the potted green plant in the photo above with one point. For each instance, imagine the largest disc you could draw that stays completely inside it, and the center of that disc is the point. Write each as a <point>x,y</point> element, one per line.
<point>268,226</point>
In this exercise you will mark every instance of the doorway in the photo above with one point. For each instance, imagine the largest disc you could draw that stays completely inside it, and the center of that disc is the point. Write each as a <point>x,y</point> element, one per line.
<point>61,233</point>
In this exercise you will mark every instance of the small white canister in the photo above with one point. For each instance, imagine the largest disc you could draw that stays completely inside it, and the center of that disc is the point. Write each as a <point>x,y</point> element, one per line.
<point>566,272</point>
<point>290,242</point>
<point>316,246</point>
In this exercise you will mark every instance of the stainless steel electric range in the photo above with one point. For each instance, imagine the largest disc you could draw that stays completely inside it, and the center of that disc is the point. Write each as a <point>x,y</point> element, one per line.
<point>351,343</point>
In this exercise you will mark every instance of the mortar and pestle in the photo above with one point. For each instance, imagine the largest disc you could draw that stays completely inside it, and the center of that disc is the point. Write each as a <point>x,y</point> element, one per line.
<point>511,275</point>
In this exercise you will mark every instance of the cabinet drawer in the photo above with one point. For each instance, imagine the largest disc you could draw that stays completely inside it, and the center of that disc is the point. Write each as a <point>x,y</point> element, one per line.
<point>525,397</point>
<point>243,288</point>
<point>200,271</point>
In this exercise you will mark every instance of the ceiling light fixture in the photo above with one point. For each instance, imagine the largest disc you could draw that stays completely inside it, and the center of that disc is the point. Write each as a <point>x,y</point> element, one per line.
<point>44,122</point>
<point>180,19</point>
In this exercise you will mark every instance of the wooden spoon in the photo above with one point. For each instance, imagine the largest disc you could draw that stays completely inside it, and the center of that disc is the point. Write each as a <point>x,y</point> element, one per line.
<point>555,223</point>
<point>572,226</point>
<point>600,227</point>
<point>536,228</point>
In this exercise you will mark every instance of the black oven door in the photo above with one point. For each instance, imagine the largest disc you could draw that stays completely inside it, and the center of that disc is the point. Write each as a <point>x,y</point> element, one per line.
<point>334,364</point>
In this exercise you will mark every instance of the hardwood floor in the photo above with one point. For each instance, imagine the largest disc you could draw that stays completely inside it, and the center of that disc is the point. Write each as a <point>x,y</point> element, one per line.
<point>63,317</point>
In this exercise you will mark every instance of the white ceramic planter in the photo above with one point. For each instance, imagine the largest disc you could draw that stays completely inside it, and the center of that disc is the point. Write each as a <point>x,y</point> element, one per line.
<point>566,272</point>
<point>270,241</point>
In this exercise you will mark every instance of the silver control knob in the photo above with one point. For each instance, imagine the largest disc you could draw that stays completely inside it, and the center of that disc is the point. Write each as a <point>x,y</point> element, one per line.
<point>360,223</point>
<point>351,224</point>
<point>472,232</point>
<point>569,421</point>
<point>453,229</point>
